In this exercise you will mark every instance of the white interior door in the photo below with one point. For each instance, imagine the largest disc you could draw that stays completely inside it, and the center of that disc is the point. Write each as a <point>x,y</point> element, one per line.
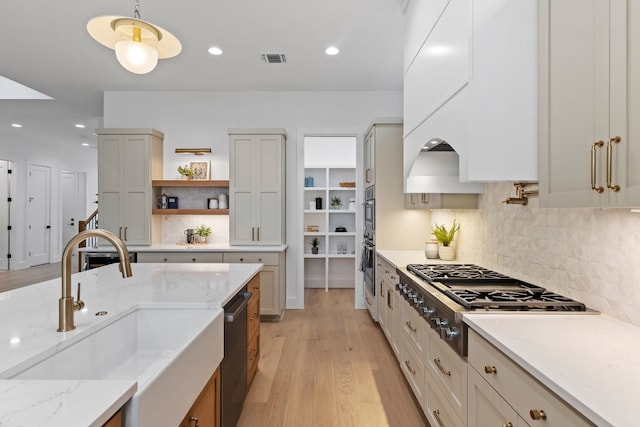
<point>38,214</point>
<point>69,195</point>
<point>4,214</point>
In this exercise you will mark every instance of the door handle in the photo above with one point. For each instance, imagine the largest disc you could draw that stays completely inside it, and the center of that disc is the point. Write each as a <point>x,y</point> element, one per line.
<point>614,140</point>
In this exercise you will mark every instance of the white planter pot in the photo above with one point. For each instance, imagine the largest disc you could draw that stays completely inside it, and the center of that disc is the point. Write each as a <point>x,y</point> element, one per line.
<point>446,253</point>
<point>431,250</point>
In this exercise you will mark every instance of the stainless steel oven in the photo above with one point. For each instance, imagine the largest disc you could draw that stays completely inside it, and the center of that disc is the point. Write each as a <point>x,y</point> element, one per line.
<point>368,269</point>
<point>369,214</point>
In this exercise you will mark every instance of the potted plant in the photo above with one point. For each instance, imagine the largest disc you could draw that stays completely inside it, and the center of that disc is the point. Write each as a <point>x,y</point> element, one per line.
<point>314,245</point>
<point>444,238</point>
<point>202,232</point>
<point>185,171</point>
<point>336,202</point>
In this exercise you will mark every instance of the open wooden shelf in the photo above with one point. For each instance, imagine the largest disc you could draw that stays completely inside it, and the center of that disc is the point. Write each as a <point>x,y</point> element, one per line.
<point>190,211</point>
<point>189,183</point>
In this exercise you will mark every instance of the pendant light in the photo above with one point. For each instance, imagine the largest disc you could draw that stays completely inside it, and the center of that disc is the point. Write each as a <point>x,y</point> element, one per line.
<point>138,44</point>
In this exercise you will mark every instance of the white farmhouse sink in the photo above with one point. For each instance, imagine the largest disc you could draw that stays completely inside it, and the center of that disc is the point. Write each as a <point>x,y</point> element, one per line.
<point>171,353</point>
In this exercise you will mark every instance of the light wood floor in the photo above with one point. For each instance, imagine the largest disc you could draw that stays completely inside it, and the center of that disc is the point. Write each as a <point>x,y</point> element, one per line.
<point>328,365</point>
<point>17,278</point>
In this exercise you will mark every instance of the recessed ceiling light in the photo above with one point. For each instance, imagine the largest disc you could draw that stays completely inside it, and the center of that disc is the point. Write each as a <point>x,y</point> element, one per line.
<point>332,50</point>
<point>85,144</point>
<point>16,125</point>
<point>215,50</point>
<point>80,125</point>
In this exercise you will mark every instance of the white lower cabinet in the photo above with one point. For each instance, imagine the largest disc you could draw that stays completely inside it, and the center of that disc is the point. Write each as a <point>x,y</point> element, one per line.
<point>487,407</point>
<point>272,280</point>
<point>437,408</point>
<point>413,369</point>
<point>529,399</point>
<point>450,373</point>
<point>179,257</point>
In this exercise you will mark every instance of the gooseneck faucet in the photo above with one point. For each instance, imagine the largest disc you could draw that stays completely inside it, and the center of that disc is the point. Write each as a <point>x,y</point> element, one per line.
<point>66,304</point>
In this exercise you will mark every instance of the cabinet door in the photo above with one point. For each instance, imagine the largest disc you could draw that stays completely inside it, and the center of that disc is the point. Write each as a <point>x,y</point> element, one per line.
<point>269,291</point>
<point>370,159</point>
<point>574,101</point>
<point>269,155</point>
<point>205,411</point>
<point>486,407</point>
<point>110,176</point>
<point>136,190</point>
<point>241,179</point>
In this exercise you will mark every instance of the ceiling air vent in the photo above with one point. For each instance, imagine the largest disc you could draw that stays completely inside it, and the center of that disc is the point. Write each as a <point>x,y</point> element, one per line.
<point>274,58</point>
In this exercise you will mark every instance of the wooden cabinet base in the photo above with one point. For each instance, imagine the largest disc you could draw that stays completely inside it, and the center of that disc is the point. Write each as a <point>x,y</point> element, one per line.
<point>205,411</point>
<point>115,421</point>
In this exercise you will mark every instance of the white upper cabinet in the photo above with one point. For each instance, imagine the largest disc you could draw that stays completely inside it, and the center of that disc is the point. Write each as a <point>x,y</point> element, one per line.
<point>589,97</point>
<point>503,111</point>
<point>256,186</point>
<point>473,83</point>
<point>128,160</point>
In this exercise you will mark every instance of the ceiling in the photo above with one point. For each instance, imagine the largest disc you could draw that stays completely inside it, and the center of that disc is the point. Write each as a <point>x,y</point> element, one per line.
<point>46,47</point>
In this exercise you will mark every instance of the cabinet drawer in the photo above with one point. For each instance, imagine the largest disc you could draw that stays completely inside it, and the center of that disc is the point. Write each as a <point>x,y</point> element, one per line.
<point>265,258</point>
<point>450,372</point>
<point>413,369</point>
<point>523,392</point>
<point>415,328</point>
<point>438,410</point>
<point>160,257</point>
<point>387,271</point>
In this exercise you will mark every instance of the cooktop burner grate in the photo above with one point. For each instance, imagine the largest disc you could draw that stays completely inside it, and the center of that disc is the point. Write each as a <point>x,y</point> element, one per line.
<point>458,272</point>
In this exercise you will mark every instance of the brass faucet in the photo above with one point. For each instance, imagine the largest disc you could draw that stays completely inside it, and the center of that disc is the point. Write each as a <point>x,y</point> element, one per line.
<point>66,304</point>
<point>521,193</point>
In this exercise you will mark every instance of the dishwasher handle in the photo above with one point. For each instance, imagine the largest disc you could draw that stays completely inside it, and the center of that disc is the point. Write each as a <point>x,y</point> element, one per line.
<point>236,307</point>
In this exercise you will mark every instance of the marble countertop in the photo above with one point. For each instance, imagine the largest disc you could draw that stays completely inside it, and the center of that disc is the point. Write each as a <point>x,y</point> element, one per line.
<point>29,319</point>
<point>590,361</point>
<point>197,247</point>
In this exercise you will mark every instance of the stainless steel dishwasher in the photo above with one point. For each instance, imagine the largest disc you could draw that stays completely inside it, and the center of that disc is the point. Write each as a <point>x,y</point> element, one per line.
<point>233,381</point>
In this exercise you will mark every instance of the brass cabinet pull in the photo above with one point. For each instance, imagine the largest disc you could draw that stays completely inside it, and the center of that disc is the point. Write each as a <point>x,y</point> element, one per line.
<point>125,233</point>
<point>614,140</point>
<point>594,147</point>
<point>436,415</point>
<point>410,326</point>
<point>442,369</point>
<point>197,422</point>
<point>413,371</point>
<point>120,232</point>
<point>537,414</point>
<point>389,299</point>
<point>258,234</point>
<point>490,369</point>
<point>508,424</point>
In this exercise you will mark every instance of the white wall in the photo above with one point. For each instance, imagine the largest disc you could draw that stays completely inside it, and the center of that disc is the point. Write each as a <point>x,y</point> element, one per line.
<point>24,152</point>
<point>201,119</point>
<point>592,255</point>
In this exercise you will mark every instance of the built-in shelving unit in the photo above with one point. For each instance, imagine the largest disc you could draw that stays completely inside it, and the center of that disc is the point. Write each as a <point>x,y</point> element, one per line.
<point>197,191</point>
<point>334,265</point>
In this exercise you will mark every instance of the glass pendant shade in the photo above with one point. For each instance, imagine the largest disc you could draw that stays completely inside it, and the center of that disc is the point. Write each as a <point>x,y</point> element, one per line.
<point>136,57</point>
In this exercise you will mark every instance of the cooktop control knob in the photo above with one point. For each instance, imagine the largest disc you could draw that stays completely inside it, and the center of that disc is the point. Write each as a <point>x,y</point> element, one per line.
<point>427,311</point>
<point>448,333</point>
<point>437,323</point>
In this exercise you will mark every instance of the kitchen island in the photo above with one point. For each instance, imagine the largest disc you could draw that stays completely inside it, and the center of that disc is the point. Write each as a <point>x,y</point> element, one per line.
<point>29,319</point>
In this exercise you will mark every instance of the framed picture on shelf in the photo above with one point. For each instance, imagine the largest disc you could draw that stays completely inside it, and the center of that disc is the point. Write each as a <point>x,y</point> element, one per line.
<point>201,170</point>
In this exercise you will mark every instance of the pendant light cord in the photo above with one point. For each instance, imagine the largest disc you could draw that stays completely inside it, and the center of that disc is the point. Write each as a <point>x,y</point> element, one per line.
<point>136,12</point>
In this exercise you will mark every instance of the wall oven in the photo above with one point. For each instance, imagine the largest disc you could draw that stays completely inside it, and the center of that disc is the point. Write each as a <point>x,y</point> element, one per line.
<point>368,253</point>
<point>369,214</point>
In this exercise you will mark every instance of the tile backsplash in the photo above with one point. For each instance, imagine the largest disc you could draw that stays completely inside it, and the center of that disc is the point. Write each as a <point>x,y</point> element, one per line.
<point>592,255</point>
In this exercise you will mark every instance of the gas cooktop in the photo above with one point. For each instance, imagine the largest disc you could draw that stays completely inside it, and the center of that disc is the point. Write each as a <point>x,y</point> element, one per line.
<point>478,288</point>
